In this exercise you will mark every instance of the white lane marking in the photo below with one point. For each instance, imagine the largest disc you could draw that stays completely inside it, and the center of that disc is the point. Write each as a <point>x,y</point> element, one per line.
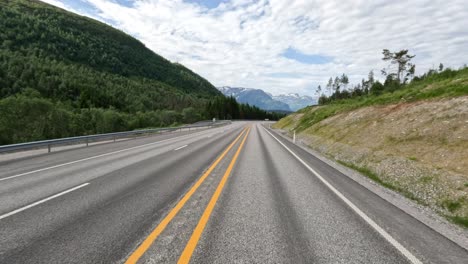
<point>181,147</point>
<point>366,218</point>
<point>42,201</point>
<point>94,157</point>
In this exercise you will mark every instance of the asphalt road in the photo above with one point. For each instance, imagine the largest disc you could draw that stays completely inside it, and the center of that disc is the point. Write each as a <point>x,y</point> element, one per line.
<point>234,194</point>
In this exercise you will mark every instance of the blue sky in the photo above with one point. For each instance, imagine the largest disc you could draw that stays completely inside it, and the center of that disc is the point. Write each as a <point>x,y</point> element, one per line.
<point>288,46</point>
<point>293,54</point>
<point>207,3</point>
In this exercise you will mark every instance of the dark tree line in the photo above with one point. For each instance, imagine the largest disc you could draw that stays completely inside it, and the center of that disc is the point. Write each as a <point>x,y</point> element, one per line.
<point>28,116</point>
<point>395,78</point>
<point>399,73</point>
<point>228,108</point>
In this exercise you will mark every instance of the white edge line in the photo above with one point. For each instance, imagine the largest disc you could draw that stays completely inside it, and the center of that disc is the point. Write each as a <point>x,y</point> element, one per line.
<point>42,201</point>
<point>181,147</point>
<point>358,211</point>
<point>94,157</point>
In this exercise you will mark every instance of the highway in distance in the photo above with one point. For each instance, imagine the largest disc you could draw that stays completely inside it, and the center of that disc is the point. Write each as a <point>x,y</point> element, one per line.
<point>240,193</point>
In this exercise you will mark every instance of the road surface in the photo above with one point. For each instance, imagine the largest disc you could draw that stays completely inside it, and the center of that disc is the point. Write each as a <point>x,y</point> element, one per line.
<point>234,194</point>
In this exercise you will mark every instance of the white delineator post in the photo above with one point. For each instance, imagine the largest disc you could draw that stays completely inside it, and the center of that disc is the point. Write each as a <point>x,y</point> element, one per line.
<point>294,136</point>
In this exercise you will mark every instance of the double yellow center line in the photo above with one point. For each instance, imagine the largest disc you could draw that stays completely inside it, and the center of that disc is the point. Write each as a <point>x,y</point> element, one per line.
<point>191,245</point>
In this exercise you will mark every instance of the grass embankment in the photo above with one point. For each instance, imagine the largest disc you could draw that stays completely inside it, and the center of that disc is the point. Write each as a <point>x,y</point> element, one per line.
<point>413,140</point>
<point>448,83</point>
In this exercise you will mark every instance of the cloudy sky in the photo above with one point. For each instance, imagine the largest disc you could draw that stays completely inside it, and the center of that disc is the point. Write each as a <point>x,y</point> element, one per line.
<point>284,46</point>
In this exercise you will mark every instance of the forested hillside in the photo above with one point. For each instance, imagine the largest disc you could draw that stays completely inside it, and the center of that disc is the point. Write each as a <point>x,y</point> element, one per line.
<point>35,30</point>
<point>62,74</point>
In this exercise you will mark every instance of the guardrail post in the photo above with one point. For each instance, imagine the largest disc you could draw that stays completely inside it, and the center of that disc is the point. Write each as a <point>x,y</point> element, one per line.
<point>48,148</point>
<point>87,142</point>
<point>114,138</point>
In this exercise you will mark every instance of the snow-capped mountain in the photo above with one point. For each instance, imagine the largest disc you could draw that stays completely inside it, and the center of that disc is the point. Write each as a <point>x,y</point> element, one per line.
<point>267,101</point>
<point>255,97</point>
<point>296,101</point>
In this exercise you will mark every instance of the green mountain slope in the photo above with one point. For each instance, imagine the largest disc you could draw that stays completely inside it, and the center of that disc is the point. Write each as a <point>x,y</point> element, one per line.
<point>35,29</point>
<point>62,74</point>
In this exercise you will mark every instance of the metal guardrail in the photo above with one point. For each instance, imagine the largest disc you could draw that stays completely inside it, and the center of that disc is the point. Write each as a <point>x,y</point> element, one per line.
<point>101,137</point>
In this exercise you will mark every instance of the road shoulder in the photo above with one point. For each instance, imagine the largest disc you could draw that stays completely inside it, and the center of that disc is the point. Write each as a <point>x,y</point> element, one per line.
<point>419,212</point>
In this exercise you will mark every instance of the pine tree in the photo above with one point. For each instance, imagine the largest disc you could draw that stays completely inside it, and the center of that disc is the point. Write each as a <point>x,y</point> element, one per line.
<point>318,91</point>
<point>344,80</point>
<point>402,60</point>
<point>330,86</point>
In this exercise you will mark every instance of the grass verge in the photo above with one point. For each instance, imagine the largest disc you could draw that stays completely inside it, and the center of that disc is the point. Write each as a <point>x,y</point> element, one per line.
<point>459,220</point>
<point>371,175</point>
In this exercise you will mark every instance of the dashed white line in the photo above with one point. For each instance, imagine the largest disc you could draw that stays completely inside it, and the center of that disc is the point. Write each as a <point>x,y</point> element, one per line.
<point>95,157</point>
<point>181,147</point>
<point>42,201</point>
<point>413,259</point>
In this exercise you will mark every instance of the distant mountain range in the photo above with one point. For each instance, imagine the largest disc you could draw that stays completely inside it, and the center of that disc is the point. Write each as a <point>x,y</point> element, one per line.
<point>255,97</point>
<point>296,101</point>
<point>266,101</point>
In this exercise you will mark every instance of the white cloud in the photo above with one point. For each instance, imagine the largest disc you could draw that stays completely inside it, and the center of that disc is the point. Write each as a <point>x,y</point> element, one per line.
<point>55,3</point>
<point>240,42</point>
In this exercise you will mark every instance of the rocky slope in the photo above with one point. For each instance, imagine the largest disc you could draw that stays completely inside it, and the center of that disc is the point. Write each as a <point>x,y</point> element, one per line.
<point>418,148</point>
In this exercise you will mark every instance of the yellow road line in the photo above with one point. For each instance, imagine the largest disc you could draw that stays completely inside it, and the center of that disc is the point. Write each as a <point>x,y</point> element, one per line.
<point>192,243</point>
<point>136,255</point>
